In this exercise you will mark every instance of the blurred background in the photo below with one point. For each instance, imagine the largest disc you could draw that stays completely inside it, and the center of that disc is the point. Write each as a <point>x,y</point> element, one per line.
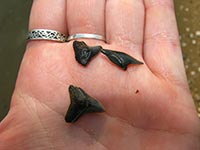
<point>13,28</point>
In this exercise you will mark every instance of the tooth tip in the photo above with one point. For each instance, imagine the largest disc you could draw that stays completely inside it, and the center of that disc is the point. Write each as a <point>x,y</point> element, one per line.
<point>71,87</point>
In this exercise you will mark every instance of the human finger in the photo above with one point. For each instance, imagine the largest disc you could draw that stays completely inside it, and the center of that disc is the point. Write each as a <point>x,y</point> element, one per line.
<point>86,17</point>
<point>48,14</point>
<point>162,52</point>
<point>124,23</point>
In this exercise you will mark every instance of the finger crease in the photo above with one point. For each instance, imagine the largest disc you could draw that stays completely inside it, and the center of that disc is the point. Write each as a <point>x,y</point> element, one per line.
<point>149,129</point>
<point>92,137</point>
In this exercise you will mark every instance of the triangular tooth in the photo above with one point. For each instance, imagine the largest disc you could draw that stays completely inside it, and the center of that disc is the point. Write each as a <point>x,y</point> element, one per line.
<point>119,58</point>
<point>81,103</point>
<point>84,53</point>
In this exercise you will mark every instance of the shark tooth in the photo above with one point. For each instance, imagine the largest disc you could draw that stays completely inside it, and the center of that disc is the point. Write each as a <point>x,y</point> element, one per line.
<point>81,103</point>
<point>119,58</point>
<point>84,53</point>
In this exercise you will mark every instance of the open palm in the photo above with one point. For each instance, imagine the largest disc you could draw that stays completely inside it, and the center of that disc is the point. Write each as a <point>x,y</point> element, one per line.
<point>148,107</point>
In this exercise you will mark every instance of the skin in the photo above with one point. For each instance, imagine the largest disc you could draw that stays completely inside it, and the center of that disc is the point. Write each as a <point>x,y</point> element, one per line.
<point>148,107</point>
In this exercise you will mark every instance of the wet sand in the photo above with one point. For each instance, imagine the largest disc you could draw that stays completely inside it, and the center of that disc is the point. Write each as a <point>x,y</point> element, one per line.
<point>187,12</point>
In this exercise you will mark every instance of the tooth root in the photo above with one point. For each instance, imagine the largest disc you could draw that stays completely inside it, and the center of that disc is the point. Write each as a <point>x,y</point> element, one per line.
<point>81,103</point>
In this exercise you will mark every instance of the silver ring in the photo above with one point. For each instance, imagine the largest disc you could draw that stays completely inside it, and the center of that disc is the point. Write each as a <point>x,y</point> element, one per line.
<point>45,34</point>
<point>86,36</point>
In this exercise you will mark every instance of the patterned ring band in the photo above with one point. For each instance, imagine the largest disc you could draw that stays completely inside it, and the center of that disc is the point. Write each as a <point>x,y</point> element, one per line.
<point>86,36</point>
<point>45,34</point>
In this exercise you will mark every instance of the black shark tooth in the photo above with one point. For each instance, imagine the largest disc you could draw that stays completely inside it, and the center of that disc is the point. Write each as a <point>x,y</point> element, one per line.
<point>81,103</point>
<point>119,58</point>
<point>84,53</point>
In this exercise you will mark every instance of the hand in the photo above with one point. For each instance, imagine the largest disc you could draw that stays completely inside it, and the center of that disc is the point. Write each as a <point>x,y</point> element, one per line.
<point>148,107</point>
